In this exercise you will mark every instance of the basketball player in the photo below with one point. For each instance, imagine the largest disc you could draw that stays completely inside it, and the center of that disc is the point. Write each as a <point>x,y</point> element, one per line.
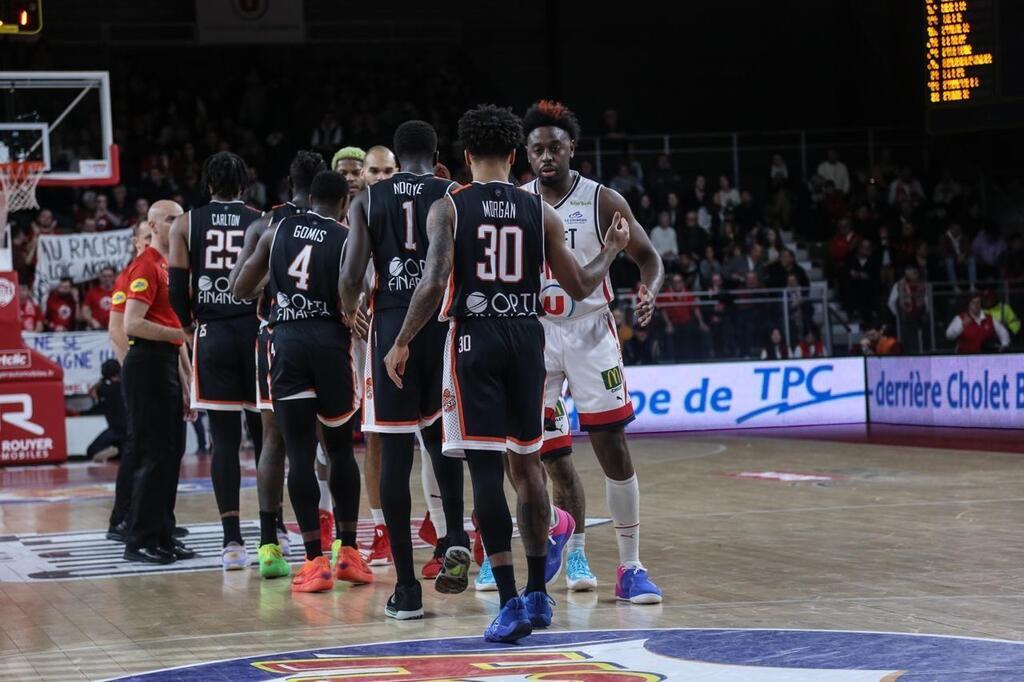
<point>117,531</point>
<point>205,243</point>
<point>388,219</point>
<point>583,349</point>
<point>349,161</point>
<point>312,373</point>
<point>488,243</point>
<point>270,463</point>
<point>154,389</point>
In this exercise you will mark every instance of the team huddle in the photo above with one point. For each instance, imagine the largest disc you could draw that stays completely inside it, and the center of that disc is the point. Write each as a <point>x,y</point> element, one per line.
<point>452,315</point>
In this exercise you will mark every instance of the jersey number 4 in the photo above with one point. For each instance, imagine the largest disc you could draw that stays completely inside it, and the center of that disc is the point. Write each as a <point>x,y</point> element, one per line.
<point>299,269</point>
<point>503,254</point>
<point>222,248</point>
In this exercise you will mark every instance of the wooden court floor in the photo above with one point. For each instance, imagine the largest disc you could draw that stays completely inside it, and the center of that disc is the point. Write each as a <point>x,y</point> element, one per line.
<point>739,531</point>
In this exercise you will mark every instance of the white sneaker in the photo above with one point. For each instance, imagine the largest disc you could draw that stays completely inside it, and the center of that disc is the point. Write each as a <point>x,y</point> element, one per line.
<point>234,557</point>
<point>282,542</point>
<point>578,576</point>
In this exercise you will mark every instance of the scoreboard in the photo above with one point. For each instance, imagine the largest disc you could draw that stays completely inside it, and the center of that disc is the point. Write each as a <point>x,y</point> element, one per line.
<point>974,64</point>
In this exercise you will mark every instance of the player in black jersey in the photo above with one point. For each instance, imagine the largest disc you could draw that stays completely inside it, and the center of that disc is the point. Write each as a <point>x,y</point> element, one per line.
<point>388,220</point>
<point>488,243</point>
<point>312,371</point>
<point>204,245</point>
<point>270,463</point>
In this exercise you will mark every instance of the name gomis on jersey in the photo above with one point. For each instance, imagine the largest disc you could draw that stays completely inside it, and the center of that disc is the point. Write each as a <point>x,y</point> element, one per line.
<point>505,210</point>
<point>297,306</point>
<point>309,233</point>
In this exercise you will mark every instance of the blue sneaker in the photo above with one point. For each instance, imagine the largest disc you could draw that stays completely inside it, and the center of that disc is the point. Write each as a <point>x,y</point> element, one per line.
<point>511,624</point>
<point>558,538</point>
<point>633,585</point>
<point>484,580</point>
<point>538,607</point>
<point>578,576</point>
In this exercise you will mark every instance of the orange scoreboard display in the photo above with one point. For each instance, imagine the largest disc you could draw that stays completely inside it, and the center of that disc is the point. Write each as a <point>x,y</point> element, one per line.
<point>21,17</point>
<point>974,64</point>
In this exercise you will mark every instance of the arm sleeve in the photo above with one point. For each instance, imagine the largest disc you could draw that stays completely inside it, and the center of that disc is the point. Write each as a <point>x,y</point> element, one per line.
<point>1004,336</point>
<point>955,329</point>
<point>178,293</point>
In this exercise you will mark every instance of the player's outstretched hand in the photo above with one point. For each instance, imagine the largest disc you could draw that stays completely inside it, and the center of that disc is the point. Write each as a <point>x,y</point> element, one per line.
<point>617,235</point>
<point>394,361</point>
<point>644,305</point>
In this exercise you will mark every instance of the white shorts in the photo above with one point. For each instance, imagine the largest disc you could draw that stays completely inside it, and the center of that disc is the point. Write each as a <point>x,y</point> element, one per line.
<point>585,353</point>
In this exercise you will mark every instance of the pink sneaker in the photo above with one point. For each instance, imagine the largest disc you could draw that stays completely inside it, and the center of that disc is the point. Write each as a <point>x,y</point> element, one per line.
<point>557,540</point>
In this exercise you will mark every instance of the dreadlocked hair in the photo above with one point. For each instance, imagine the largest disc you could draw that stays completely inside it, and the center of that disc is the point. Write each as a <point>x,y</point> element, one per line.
<point>548,112</point>
<point>490,131</point>
<point>225,174</point>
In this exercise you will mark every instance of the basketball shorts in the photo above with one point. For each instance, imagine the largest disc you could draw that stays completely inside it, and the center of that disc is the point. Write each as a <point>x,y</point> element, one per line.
<point>584,353</point>
<point>223,364</point>
<point>387,408</point>
<point>493,385</point>
<point>263,401</point>
<point>313,359</point>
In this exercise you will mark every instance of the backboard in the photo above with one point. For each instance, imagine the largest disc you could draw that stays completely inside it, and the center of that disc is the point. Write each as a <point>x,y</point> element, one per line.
<point>62,119</point>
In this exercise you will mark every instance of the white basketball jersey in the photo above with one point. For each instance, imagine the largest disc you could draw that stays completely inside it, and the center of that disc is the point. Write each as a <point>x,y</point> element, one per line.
<point>583,236</point>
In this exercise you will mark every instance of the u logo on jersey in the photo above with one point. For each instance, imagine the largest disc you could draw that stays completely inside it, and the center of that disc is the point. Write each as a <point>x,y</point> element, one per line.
<point>556,302</point>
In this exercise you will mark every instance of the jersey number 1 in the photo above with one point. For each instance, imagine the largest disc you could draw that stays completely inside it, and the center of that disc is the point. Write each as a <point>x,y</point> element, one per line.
<point>503,254</point>
<point>410,225</point>
<point>299,269</point>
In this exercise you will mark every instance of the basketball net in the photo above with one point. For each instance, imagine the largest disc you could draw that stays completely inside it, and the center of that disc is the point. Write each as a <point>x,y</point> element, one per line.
<point>18,180</point>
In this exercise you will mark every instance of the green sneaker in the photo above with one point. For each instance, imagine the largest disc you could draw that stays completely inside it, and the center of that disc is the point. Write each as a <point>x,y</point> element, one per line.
<point>272,563</point>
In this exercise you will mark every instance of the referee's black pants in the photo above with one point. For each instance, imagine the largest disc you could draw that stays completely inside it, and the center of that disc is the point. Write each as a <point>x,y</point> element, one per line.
<point>125,473</point>
<point>158,432</point>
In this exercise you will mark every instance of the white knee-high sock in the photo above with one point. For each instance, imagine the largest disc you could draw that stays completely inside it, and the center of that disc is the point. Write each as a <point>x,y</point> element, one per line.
<point>431,493</point>
<point>326,503</point>
<point>624,506</point>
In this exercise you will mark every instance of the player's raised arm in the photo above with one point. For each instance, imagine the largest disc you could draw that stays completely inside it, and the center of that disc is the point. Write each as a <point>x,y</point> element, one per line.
<point>253,274</point>
<point>357,254</point>
<point>578,281</point>
<point>177,270</point>
<point>640,250</point>
<point>252,237</point>
<point>430,290</point>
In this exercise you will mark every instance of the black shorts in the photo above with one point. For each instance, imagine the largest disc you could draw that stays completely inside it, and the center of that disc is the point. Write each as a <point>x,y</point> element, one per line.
<point>313,359</point>
<point>493,385</point>
<point>263,400</point>
<point>223,364</point>
<point>387,408</point>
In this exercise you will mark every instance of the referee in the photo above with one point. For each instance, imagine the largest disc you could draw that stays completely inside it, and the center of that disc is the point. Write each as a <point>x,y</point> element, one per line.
<point>155,394</point>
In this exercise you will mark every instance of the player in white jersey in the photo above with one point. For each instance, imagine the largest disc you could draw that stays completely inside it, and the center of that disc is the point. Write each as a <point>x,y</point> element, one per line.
<point>582,349</point>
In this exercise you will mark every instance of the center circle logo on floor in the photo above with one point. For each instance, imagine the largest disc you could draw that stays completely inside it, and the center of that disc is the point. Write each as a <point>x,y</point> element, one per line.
<point>641,656</point>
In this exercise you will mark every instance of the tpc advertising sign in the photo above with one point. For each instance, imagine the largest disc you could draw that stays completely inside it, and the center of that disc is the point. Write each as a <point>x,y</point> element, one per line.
<point>985,391</point>
<point>746,395</point>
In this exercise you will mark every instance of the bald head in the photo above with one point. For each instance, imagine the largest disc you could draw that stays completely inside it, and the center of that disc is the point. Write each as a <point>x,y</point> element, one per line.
<point>379,165</point>
<point>161,214</point>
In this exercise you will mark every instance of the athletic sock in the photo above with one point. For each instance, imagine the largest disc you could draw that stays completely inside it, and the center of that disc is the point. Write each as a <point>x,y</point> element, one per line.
<point>232,529</point>
<point>313,548</point>
<point>554,518</point>
<point>505,578</point>
<point>535,574</point>
<point>347,537</point>
<point>326,503</point>
<point>577,541</point>
<point>431,492</point>
<point>624,505</point>
<point>268,528</point>
<point>378,516</point>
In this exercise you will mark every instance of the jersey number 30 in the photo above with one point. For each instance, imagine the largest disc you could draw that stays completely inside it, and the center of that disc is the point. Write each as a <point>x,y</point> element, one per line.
<point>503,254</point>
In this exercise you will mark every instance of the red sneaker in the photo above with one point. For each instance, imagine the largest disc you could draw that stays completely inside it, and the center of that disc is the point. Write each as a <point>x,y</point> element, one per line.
<point>314,576</point>
<point>326,529</point>
<point>432,568</point>
<point>427,531</point>
<point>380,551</point>
<point>478,549</point>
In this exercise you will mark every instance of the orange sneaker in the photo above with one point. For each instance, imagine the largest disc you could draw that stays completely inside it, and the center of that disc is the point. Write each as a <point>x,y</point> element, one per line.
<point>380,551</point>
<point>314,576</point>
<point>427,531</point>
<point>351,567</point>
<point>326,529</point>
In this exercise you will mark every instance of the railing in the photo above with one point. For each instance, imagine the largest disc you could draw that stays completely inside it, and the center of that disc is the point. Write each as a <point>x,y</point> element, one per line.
<point>924,331</point>
<point>734,323</point>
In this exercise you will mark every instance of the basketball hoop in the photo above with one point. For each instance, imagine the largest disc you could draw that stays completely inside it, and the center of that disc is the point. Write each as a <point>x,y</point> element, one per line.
<point>18,180</point>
